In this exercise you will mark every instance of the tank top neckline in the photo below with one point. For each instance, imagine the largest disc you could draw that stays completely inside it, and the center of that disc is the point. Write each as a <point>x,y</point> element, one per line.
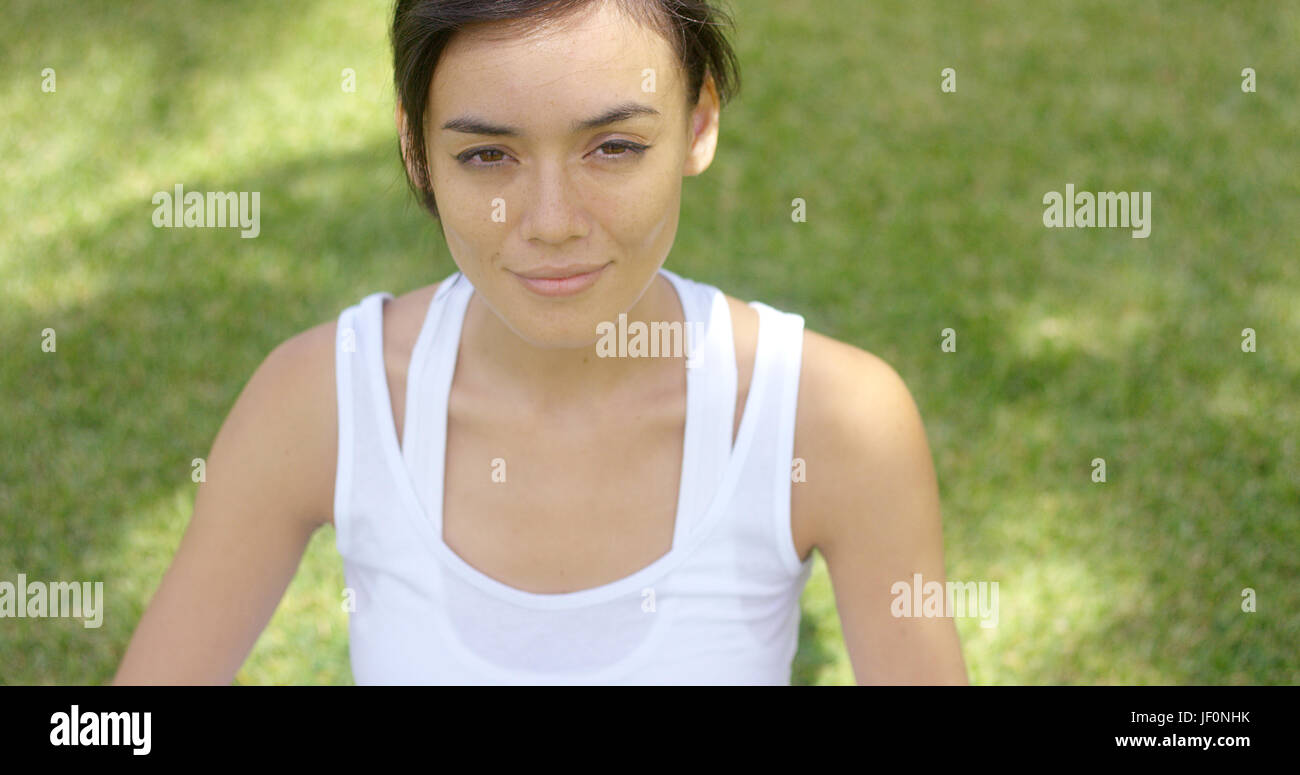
<point>439,343</point>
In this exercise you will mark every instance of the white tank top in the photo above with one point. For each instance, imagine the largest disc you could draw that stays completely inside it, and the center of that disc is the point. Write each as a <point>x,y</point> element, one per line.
<point>721,607</point>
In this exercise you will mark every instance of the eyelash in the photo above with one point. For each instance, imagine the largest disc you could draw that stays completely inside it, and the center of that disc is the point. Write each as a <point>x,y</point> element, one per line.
<point>465,158</point>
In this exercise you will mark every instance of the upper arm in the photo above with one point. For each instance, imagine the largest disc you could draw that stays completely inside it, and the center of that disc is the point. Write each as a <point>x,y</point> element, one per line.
<point>268,485</point>
<point>871,506</point>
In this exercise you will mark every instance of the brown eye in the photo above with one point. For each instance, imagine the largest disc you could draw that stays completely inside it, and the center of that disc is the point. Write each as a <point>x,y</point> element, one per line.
<point>489,157</point>
<point>621,148</point>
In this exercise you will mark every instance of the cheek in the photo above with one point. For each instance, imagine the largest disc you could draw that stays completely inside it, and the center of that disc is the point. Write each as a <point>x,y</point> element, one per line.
<point>460,203</point>
<point>465,211</point>
<point>637,214</point>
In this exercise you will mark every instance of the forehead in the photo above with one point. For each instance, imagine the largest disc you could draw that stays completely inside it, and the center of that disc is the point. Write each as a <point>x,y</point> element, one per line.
<point>557,68</point>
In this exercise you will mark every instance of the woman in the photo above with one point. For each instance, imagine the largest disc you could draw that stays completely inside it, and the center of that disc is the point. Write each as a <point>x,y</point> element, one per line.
<point>523,489</point>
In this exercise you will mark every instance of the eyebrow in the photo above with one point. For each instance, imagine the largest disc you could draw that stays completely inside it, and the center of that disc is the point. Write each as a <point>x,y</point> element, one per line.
<point>621,112</point>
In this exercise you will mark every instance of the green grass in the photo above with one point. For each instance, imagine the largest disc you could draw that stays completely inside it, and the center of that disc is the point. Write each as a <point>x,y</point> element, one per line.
<point>924,213</point>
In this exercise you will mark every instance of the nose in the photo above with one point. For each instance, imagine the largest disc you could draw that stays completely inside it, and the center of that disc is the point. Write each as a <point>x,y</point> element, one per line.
<point>553,212</point>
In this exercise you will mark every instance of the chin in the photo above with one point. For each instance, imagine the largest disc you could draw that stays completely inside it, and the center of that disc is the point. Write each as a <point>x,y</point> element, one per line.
<point>541,323</point>
<point>550,336</point>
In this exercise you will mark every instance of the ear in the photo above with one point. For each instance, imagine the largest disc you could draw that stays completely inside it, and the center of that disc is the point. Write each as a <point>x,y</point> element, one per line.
<point>404,138</point>
<point>704,129</point>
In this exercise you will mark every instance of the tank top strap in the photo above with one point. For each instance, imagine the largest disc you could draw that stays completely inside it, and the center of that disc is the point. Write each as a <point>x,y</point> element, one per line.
<point>778,361</point>
<point>362,399</point>
<point>428,388</point>
<point>711,377</point>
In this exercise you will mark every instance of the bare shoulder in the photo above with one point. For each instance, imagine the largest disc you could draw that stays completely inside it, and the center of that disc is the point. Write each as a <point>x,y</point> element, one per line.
<point>862,440</point>
<point>870,504</point>
<point>832,369</point>
<point>283,429</point>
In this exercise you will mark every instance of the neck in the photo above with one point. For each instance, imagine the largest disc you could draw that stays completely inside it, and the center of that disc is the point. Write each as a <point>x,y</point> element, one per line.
<point>551,379</point>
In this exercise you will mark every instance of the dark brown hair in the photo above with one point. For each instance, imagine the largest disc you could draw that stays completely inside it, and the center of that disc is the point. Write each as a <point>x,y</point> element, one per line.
<point>422,29</point>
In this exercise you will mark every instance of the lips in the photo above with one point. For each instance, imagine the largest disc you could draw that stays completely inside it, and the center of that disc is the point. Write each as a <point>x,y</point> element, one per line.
<point>560,272</point>
<point>561,280</point>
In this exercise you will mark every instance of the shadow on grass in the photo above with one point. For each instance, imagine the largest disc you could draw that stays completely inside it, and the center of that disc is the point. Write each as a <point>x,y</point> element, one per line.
<point>146,368</point>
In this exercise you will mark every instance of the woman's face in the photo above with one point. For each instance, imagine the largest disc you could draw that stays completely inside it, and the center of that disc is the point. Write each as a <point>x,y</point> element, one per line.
<point>528,190</point>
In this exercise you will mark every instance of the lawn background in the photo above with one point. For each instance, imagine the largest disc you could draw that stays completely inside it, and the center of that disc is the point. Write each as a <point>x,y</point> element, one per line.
<point>924,213</point>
